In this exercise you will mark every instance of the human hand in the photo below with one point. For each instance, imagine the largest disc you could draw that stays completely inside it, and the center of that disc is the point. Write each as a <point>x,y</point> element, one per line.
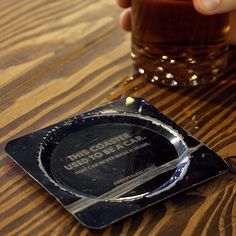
<point>206,7</point>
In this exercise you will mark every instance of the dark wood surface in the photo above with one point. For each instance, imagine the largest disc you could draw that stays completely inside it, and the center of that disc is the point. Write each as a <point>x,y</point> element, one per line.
<point>60,58</point>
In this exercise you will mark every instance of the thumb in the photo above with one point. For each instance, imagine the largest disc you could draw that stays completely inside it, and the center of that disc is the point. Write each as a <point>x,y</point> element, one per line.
<point>209,7</point>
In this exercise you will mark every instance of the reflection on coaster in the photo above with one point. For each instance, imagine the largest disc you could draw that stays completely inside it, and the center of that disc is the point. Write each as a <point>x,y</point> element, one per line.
<point>113,161</point>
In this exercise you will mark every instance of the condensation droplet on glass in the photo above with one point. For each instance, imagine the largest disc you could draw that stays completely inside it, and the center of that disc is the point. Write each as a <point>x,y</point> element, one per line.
<point>154,79</point>
<point>190,71</point>
<point>193,77</point>
<point>164,57</point>
<point>160,68</point>
<point>141,71</point>
<point>169,76</point>
<point>194,83</point>
<point>192,61</point>
<point>215,71</point>
<point>174,83</point>
<point>146,49</point>
<point>130,78</point>
<point>133,56</point>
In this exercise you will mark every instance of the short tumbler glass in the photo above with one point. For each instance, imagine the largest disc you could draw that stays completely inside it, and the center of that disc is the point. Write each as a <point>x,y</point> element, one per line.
<point>173,44</point>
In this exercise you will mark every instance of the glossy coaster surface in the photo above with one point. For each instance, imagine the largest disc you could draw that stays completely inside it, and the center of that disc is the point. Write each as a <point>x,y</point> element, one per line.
<point>113,161</point>
<point>92,158</point>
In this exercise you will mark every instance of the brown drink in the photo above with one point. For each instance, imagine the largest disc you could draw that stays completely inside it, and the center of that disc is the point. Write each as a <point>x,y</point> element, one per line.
<point>173,44</point>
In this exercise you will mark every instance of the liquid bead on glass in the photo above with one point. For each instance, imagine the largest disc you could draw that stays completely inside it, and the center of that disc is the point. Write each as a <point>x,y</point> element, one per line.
<point>173,44</point>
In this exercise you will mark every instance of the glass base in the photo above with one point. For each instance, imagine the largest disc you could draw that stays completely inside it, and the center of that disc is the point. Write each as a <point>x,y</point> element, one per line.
<point>180,65</point>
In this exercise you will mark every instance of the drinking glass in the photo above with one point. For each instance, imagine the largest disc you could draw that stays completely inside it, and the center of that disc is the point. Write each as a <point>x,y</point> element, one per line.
<point>173,44</point>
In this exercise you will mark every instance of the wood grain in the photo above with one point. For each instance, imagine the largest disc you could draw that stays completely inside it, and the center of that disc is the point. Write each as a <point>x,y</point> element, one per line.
<point>60,58</point>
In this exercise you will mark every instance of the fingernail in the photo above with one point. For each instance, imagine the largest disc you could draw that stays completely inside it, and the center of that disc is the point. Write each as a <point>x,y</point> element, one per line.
<point>210,5</point>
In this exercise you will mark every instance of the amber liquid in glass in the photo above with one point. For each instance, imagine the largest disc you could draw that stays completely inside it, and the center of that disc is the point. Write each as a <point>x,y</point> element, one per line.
<point>173,44</point>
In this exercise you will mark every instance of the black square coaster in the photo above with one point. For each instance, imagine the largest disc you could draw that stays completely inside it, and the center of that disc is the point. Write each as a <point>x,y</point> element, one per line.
<point>115,160</point>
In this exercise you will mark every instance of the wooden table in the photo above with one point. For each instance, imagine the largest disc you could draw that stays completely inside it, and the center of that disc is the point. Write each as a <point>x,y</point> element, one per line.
<point>60,58</point>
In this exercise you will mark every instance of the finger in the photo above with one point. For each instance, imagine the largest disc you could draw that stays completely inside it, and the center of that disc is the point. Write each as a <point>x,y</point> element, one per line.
<point>125,19</point>
<point>124,3</point>
<point>209,7</point>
